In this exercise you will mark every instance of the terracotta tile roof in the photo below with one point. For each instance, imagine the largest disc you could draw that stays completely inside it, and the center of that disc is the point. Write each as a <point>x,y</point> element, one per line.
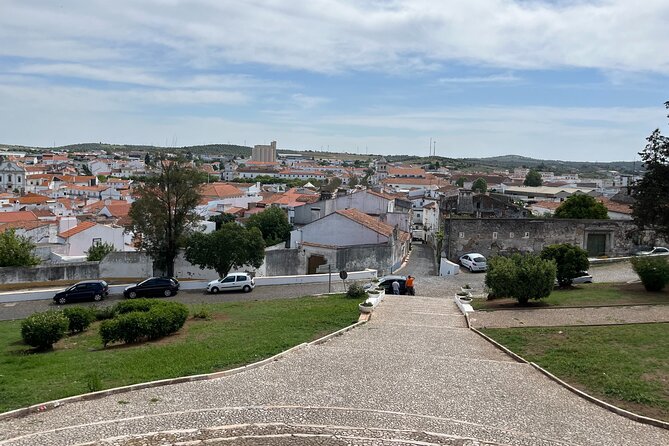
<point>434,181</point>
<point>381,194</point>
<point>6,217</point>
<point>613,206</point>
<point>27,225</point>
<point>291,198</point>
<point>220,190</point>
<point>367,221</point>
<point>43,213</point>
<point>398,171</point>
<point>234,210</point>
<point>118,210</point>
<point>552,205</point>
<point>32,198</point>
<point>98,205</point>
<point>81,227</point>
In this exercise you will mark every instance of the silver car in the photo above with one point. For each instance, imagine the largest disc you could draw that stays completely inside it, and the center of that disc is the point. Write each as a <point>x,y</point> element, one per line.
<point>474,262</point>
<point>232,282</point>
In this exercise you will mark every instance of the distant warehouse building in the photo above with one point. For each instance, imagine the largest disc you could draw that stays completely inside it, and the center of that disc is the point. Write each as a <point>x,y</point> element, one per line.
<point>264,153</point>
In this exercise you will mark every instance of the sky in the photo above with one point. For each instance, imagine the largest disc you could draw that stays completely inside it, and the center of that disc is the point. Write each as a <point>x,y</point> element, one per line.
<point>570,80</point>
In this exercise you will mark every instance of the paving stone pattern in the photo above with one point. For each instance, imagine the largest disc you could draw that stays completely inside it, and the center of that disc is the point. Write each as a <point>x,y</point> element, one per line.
<point>414,374</point>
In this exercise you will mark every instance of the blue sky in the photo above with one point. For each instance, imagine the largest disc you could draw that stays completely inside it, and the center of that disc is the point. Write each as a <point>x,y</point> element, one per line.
<point>571,80</point>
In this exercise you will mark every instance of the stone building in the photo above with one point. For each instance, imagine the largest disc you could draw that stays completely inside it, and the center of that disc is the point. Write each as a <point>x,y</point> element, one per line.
<point>12,176</point>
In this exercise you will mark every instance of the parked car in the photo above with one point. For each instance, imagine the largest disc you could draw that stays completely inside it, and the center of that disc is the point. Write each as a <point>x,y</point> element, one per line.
<point>153,287</point>
<point>656,251</point>
<point>386,282</point>
<point>474,262</point>
<point>234,281</point>
<point>86,290</point>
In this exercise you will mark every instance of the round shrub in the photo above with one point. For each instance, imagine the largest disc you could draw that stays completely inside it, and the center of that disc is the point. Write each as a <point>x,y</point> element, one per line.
<point>653,272</point>
<point>42,330</point>
<point>79,318</point>
<point>522,277</point>
<point>355,291</point>
<point>143,319</point>
<point>104,313</point>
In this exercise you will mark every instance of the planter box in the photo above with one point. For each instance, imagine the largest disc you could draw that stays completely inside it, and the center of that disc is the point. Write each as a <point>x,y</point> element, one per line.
<point>365,309</point>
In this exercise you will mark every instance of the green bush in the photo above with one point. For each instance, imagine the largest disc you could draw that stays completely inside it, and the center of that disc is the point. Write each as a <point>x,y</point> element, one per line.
<point>570,260</point>
<point>355,291</point>
<point>522,277</point>
<point>104,313</point>
<point>143,319</point>
<point>653,272</point>
<point>79,318</point>
<point>42,330</point>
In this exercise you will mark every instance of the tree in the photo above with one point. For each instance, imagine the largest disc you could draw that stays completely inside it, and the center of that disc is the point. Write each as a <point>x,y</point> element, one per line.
<point>522,277</point>
<point>86,170</point>
<point>163,214</point>
<point>353,181</point>
<point>333,183</point>
<point>16,250</point>
<point>582,206</point>
<point>272,223</point>
<point>570,260</point>
<point>653,272</point>
<point>533,178</point>
<point>460,182</point>
<point>480,185</point>
<point>230,247</point>
<point>147,159</point>
<point>98,251</point>
<point>651,193</point>
<point>221,219</point>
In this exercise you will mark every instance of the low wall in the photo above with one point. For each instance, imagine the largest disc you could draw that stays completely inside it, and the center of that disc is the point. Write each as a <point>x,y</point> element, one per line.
<point>48,273</point>
<point>314,278</point>
<point>126,264</point>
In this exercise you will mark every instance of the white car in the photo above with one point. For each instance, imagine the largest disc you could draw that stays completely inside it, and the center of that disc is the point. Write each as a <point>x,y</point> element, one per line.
<point>583,277</point>
<point>231,282</point>
<point>656,251</point>
<point>474,262</point>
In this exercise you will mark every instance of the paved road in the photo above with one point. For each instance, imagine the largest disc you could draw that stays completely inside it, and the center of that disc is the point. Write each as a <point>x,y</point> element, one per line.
<point>20,310</point>
<point>412,375</point>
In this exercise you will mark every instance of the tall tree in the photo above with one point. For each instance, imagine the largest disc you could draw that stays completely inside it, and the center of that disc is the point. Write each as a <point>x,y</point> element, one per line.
<point>480,185</point>
<point>570,260</point>
<point>230,247</point>
<point>533,178</point>
<point>651,208</point>
<point>164,212</point>
<point>582,206</point>
<point>16,250</point>
<point>460,182</point>
<point>273,224</point>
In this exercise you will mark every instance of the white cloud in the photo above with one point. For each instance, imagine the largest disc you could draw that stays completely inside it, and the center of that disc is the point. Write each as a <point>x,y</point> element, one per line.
<point>493,78</point>
<point>330,36</point>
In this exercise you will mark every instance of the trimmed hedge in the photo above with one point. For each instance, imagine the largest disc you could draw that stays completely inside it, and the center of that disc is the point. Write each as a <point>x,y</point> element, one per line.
<point>355,290</point>
<point>79,318</point>
<point>143,319</point>
<point>653,271</point>
<point>42,330</point>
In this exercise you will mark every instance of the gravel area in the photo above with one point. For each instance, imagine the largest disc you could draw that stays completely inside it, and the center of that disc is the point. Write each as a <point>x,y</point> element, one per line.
<point>613,272</point>
<point>413,373</point>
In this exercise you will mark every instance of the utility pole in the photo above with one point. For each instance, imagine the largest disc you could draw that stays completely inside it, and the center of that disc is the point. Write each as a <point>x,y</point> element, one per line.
<point>430,147</point>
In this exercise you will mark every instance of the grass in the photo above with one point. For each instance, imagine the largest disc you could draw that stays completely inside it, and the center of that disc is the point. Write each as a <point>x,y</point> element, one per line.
<point>625,365</point>
<point>234,334</point>
<point>583,295</point>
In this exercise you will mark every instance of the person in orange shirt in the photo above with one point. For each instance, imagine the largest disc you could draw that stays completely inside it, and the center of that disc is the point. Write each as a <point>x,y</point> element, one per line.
<point>409,285</point>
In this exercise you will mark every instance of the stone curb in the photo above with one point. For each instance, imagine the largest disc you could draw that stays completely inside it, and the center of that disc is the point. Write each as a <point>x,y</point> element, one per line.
<point>492,310</point>
<point>610,407</point>
<point>41,407</point>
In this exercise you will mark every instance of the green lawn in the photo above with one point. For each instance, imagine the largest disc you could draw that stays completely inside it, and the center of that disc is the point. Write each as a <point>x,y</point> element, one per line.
<point>586,294</point>
<point>236,334</point>
<point>625,365</point>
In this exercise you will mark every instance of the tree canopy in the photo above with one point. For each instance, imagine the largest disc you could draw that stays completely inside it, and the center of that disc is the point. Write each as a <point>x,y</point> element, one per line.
<point>16,250</point>
<point>480,185</point>
<point>522,277</point>
<point>582,206</point>
<point>98,251</point>
<point>570,260</point>
<point>460,182</point>
<point>272,223</point>
<point>164,212</point>
<point>651,193</point>
<point>533,178</point>
<point>230,247</point>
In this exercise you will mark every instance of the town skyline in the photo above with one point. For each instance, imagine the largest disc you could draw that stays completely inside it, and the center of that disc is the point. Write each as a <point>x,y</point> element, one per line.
<point>488,78</point>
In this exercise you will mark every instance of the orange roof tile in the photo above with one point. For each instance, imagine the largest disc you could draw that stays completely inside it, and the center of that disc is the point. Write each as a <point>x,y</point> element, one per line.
<point>367,221</point>
<point>119,210</point>
<point>81,227</point>
<point>6,217</point>
<point>27,225</point>
<point>220,190</point>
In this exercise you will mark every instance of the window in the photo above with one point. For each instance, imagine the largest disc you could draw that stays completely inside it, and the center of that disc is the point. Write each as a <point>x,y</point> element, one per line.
<point>527,235</point>
<point>229,279</point>
<point>97,241</point>
<point>511,235</point>
<point>462,235</point>
<point>494,236</point>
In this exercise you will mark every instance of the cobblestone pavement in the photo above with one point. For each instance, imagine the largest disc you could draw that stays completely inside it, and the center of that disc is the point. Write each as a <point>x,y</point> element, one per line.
<point>556,317</point>
<point>414,374</point>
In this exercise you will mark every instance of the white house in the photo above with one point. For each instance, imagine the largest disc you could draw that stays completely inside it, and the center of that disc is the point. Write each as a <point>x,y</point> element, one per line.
<point>366,201</point>
<point>80,238</point>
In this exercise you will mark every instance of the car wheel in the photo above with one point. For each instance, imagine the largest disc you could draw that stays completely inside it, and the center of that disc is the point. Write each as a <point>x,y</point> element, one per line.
<point>167,293</point>
<point>62,300</point>
<point>246,288</point>
<point>97,297</point>
<point>214,290</point>
<point>132,294</point>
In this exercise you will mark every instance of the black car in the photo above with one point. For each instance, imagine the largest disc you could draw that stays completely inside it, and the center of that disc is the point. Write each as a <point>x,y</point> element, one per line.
<point>87,290</point>
<point>153,287</point>
<point>387,283</point>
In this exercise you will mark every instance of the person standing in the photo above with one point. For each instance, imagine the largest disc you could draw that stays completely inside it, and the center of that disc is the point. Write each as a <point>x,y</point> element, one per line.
<point>396,287</point>
<point>410,289</point>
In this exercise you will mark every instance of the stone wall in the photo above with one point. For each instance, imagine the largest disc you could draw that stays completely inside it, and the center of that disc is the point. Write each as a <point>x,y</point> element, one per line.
<point>48,273</point>
<point>500,236</point>
<point>284,262</point>
<point>126,264</point>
